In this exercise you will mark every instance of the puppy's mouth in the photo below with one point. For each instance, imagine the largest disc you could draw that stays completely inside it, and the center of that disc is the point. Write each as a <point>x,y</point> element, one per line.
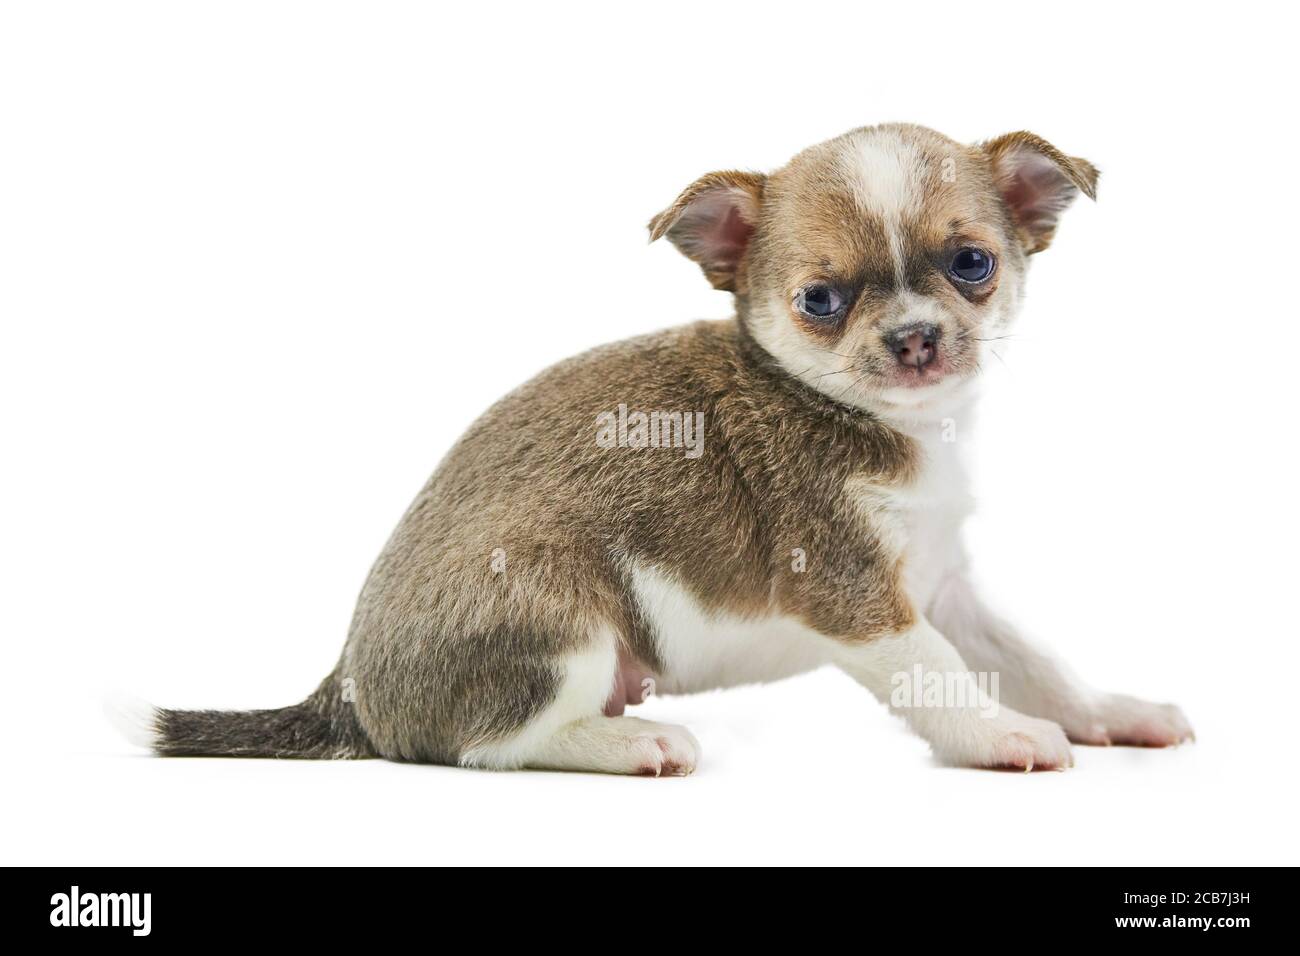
<point>918,375</point>
<point>873,377</point>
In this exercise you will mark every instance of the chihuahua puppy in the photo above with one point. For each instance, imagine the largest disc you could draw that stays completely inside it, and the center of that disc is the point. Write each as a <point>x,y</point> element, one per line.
<point>727,502</point>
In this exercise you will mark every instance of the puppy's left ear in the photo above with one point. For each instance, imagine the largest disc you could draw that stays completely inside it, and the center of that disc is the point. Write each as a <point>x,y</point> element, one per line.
<point>711,223</point>
<point>1037,182</point>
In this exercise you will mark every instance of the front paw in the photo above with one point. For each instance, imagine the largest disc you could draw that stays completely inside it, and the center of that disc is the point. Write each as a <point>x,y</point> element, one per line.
<point>1011,741</point>
<point>1129,722</point>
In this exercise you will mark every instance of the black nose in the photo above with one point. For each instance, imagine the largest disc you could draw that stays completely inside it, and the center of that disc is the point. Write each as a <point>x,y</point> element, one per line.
<point>914,345</point>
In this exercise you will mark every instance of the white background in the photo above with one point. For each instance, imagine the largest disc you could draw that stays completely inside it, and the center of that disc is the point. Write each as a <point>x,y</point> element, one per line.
<point>261,263</point>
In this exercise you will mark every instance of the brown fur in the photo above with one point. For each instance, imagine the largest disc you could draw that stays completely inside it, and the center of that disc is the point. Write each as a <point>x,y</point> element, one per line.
<point>446,653</point>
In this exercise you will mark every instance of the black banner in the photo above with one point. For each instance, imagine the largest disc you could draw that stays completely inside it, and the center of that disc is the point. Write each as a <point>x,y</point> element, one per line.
<point>1148,906</point>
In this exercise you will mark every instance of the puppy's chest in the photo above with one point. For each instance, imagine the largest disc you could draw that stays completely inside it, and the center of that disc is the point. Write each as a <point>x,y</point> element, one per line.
<point>919,522</point>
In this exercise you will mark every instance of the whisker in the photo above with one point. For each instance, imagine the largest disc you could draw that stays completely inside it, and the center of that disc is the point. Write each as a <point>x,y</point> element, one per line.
<point>838,371</point>
<point>963,336</point>
<point>832,352</point>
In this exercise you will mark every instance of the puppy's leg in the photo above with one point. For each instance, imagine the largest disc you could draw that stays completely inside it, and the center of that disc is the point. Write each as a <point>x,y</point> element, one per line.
<point>571,733</point>
<point>619,745</point>
<point>1035,682</point>
<point>962,724</point>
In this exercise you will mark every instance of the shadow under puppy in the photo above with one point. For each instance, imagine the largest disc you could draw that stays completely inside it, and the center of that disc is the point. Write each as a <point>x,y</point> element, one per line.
<point>726,502</point>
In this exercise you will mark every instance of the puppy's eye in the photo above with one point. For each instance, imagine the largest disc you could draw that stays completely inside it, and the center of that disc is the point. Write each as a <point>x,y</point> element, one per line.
<point>819,301</point>
<point>971,265</point>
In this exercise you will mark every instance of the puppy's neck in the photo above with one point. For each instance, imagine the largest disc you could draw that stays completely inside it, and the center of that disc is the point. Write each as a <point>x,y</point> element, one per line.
<point>943,412</point>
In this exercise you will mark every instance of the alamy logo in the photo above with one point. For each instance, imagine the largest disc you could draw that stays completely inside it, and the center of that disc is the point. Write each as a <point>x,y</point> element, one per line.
<point>947,689</point>
<point>102,909</point>
<point>624,429</point>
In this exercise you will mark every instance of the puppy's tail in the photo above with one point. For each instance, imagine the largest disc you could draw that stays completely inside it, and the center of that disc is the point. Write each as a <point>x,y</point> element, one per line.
<point>322,727</point>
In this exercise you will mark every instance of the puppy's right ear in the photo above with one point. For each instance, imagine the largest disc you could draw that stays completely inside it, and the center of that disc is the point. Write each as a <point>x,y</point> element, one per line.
<point>711,223</point>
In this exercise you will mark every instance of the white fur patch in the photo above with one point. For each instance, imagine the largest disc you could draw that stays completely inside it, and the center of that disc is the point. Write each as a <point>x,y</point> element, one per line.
<point>703,650</point>
<point>586,685</point>
<point>921,522</point>
<point>884,170</point>
<point>135,719</point>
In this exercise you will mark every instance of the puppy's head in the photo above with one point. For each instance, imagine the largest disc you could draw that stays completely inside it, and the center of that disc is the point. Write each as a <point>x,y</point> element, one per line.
<point>877,266</point>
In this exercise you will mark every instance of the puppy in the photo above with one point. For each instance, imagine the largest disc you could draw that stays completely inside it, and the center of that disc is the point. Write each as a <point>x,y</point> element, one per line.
<point>727,502</point>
